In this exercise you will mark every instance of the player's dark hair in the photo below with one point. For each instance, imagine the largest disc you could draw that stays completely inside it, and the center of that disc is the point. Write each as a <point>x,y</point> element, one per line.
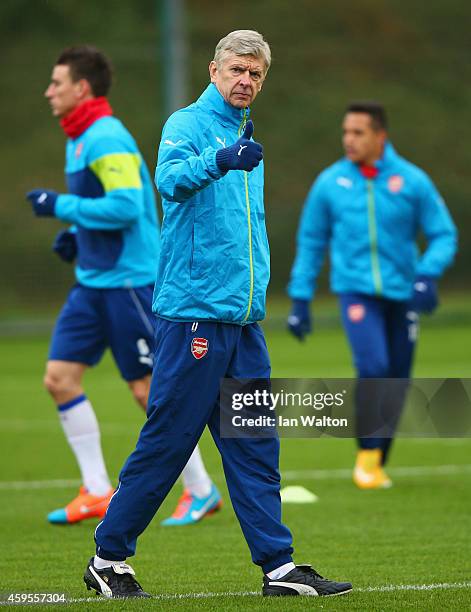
<point>87,62</point>
<point>375,110</point>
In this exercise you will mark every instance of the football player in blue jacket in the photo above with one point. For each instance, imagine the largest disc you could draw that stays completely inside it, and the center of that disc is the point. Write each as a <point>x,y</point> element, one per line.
<point>115,241</point>
<point>368,209</point>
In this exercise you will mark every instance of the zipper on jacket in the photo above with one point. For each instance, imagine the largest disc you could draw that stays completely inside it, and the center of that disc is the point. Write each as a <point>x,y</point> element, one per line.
<point>249,224</point>
<point>378,285</point>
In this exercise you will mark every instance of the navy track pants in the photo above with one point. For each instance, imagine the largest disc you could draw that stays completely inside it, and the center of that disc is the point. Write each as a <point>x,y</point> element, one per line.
<point>382,335</point>
<point>190,360</point>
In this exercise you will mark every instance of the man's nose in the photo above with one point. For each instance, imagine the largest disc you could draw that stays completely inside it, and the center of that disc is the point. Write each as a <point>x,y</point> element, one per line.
<point>245,79</point>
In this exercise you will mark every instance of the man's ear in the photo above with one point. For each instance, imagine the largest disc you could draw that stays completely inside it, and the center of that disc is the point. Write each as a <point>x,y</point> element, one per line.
<point>212,71</point>
<point>83,89</point>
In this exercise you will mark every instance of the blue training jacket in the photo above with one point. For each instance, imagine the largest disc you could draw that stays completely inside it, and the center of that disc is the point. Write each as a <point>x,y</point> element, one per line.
<point>215,261</point>
<point>111,203</point>
<point>371,227</point>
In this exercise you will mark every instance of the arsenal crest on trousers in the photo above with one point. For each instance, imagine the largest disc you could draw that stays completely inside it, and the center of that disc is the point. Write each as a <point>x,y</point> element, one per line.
<point>199,347</point>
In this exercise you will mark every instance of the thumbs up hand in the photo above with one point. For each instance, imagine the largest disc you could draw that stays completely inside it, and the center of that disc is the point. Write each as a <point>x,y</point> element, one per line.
<point>244,154</point>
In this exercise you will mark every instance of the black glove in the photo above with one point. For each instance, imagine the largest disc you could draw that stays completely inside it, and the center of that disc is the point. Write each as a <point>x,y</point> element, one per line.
<point>65,245</point>
<point>425,298</point>
<point>299,320</point>
<point>43,202</point>
<point>244,154</point>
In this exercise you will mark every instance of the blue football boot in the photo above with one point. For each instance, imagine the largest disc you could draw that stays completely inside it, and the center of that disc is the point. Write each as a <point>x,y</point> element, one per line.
<point>191,509</point>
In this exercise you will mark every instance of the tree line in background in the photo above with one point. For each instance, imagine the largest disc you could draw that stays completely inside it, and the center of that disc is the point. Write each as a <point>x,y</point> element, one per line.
<point>411,55</point>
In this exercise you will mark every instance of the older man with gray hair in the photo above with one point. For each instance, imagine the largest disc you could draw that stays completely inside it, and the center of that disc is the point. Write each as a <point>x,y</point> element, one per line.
<point>209,296</point>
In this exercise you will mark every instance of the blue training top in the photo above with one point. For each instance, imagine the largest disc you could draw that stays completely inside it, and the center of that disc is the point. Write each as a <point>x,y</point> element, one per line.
<point>371,227</point>
<point>111,203</point>
<point>215,262</point>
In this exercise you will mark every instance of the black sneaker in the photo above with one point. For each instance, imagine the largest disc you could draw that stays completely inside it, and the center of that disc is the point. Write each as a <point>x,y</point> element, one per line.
<point>115,581</point>
<point>303,580</point>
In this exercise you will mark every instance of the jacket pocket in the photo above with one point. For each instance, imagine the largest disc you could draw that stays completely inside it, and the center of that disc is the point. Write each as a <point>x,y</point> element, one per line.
<point>202,243</point>
<point>193,269</point>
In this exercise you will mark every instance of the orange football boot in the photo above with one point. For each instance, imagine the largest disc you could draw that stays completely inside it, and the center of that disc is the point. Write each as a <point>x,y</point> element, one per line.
<point>368,472</point>
<point>84,506</point>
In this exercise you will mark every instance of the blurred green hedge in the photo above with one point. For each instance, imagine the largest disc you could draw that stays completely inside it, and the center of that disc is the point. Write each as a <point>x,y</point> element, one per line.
<point>412,55</point>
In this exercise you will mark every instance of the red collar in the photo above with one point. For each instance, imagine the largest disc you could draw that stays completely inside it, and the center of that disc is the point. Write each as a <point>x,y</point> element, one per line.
<point>82,117</point>
<point>369,172</point>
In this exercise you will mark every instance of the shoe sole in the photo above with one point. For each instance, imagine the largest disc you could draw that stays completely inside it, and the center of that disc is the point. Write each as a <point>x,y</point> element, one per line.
<point>278,594</point>
<point>216,508</point>
<point>369,487</point>
<point>78,520</point>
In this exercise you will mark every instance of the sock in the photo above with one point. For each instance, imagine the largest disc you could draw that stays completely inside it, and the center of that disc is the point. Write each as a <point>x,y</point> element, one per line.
<point>99,563</point>
<point>195,477</point>
<point>281,571</point>
<point>83,434</point>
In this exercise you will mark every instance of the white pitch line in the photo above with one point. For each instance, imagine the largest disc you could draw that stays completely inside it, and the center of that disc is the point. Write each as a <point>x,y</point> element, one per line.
<point>408,471</point>
<point>414,587</point>
<point>53,426</point>
<point>132,428</point>
<point>387,588</point>
<point>337,474</point>
<point>22,485</point>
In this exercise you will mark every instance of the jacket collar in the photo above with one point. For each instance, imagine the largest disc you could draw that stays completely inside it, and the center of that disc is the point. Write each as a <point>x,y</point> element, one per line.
<point>388,158</point>
<point>212,101</point>
<point>84,115</point>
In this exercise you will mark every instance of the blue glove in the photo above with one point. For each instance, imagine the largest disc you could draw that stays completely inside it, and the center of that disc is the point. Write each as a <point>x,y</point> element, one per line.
<point>299,320</point>
<point>244,154</point>
<point>43,202</point>
<point>425,298</point>
<point>65,245</point>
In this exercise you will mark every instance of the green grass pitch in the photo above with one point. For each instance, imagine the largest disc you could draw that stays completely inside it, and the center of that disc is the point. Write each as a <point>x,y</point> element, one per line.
<point>417,533</point>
